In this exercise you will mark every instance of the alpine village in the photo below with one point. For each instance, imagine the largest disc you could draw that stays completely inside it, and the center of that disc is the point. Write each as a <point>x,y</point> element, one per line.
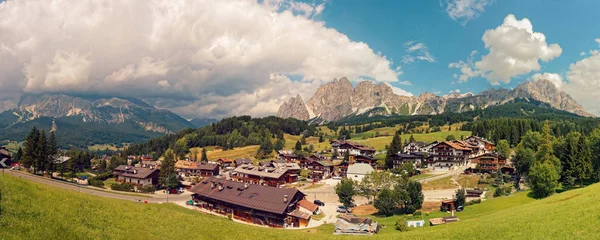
<point>299,119</point>
<point>356,175</point>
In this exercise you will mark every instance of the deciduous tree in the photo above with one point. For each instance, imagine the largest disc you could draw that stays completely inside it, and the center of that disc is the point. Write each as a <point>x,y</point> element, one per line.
<point>345,191</point>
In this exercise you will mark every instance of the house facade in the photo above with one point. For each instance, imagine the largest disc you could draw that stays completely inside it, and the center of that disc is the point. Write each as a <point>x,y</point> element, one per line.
<point>196,169</point>
<point>414,147</point>
<point>400,158</point>
<point>353,148</point>
<point>489,162</point>
<point>448,155</point>
<point>320,170</point>
<point>257,204</point>
<point>275,175</point>
<point>137,176</point>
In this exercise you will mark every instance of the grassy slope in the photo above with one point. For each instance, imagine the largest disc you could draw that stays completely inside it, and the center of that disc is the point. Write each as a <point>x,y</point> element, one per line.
<point>380,142</point>
<point>33,211</point>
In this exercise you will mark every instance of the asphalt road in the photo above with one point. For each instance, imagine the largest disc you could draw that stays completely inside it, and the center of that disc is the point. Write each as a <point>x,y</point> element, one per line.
<point>90,190</point>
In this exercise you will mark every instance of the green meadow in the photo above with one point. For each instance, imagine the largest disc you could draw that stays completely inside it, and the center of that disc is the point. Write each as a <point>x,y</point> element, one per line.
<point>34,211</point>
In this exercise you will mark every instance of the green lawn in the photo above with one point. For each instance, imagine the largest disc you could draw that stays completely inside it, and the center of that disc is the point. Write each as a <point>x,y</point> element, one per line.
<point>379,143</point>
<point>35,211</point>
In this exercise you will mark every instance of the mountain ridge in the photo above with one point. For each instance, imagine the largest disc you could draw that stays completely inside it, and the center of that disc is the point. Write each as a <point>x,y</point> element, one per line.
<point>338,99</point>
<point>102,119</point>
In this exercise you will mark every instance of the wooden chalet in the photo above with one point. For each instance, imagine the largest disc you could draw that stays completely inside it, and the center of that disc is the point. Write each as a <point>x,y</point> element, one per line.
<point>400,158</point>
<point>489,162</point>
<point>262,205</point>
<point>414,147</point>
<point>482,143</point>
<point>320,170</point>
<point>352,147</point>
<point>449,155</point>
<point>196,169</point>
<point>241,161</point>
<point>289,157</point>
<point>341,168</point>
<point>225,162</point>
<point>137,176</point>
<point>364,159</point>
<point>275,175</point>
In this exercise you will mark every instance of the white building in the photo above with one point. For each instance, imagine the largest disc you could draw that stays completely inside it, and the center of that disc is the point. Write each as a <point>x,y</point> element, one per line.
<point>358,171</point>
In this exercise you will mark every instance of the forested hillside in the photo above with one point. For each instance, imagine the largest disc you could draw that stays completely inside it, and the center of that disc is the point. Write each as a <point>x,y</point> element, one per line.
<point>227,133</point>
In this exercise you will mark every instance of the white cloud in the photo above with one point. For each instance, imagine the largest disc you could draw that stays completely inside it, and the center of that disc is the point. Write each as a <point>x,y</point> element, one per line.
<point>407,83</point>
<point>514,49</point>
<point>598,40</point>
<point>185,55</point>
<point>399,91</point>
<point>416,51</point>
<point>555,78</point>
<point>466,10</point>
<point>584,82</point>
<point>581,53</point>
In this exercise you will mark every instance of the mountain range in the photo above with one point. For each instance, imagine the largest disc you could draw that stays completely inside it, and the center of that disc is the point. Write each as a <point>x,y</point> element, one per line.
<point>339,99</point>
<point>83,121</point>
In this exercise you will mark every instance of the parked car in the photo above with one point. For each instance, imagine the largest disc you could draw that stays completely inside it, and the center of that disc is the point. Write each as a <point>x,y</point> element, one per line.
<point>342,209</point>
<point>337,178</point>
<point>319,202</point>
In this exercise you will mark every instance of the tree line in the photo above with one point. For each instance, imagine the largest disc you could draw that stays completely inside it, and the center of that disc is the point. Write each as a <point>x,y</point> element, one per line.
<point>227,133</point>
<point>550,162</point>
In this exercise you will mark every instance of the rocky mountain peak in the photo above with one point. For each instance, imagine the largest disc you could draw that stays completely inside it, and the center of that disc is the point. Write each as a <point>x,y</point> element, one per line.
<point>294,108</point>
<point>338,99</point>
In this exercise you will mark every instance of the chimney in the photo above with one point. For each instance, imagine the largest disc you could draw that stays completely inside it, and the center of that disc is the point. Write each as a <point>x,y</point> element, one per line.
<point>212,185</point>
<point>220,186</point>
<point>285,198</point>
<point>134,171</point>
<point>245,185</point>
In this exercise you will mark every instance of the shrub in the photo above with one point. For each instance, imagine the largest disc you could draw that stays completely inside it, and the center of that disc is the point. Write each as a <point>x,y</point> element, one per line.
<point>125,187</point>
<point>401,224</point>
<point>230,217</point>
<point>103,176</point>
<point>96,182</point>
<point>148,189</point>
<point>417,214</point>
<point>472,202</point>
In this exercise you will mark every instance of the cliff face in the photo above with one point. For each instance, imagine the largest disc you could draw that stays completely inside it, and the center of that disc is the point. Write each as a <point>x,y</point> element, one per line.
<point>294,108</point>
<point>338,99</point>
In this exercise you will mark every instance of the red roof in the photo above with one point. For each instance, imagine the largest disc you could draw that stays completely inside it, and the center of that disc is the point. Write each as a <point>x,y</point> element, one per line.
<point>308,205</point>
<point>456,146</point>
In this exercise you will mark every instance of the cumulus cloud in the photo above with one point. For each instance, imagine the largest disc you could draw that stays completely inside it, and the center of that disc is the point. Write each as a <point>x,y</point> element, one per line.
<point>466,10</point>
<point>197,58</point>
<point>597,40</point>
<point>416,51</point>
<point>399,91</point>
<point>555,78</point>
<point>514,49</point>
<point>584,82</point>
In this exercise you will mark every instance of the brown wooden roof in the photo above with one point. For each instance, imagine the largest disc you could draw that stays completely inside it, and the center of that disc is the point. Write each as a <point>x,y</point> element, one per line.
<point>308,205</point>
<point>263,198</point>
<point>134,172</point>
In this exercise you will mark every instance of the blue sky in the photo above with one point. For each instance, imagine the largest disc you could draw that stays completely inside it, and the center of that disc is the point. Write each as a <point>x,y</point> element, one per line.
<point>387,25</point>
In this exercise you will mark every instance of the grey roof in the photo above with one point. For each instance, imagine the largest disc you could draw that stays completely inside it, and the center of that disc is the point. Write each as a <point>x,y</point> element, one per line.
<point>134,172</point>
<point>270,172</point>
<point>360,168</point>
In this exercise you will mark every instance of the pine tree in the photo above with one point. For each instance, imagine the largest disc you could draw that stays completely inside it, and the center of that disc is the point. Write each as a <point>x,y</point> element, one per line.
<point>303,140</point>
<point>412,139</point>
<point>321,138</point>
<point>18,155</point>
<point>30,147</point>
<point>168,176</point>
<point>584,166</point>
<point>52,149</point>
<point>204,157</point>
<point>42,152</point>
<point>335,154</point>
<point>298,146</point>
<point>395,147</point>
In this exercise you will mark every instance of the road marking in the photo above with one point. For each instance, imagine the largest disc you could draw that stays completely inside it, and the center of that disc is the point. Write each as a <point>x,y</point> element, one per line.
<point>2,162</point>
